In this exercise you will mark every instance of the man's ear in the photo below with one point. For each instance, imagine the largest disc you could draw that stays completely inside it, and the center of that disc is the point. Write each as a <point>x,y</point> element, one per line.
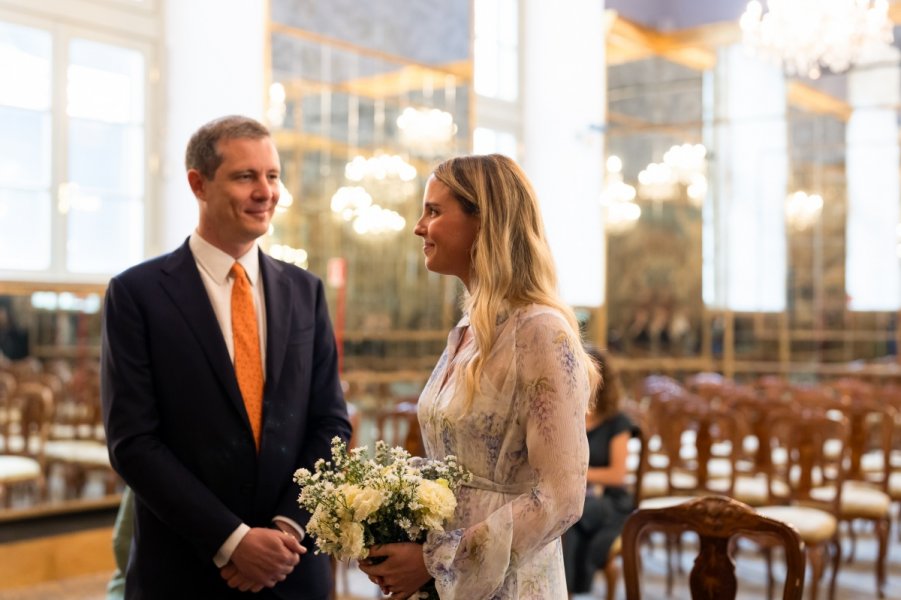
<point>197,183</point>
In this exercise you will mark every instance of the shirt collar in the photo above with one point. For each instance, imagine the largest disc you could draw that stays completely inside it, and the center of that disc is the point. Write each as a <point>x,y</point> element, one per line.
<point>217,264</point>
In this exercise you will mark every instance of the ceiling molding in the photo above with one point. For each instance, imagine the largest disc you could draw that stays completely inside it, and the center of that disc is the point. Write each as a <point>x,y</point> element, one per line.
<point>808,98</point>
<point>695,48</point>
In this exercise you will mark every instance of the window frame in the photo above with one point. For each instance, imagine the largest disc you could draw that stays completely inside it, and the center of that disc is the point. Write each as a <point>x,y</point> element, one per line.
<point>136,28</point>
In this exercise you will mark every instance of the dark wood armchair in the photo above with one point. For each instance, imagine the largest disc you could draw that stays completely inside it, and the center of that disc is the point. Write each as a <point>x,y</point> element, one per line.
<point>717,520</point>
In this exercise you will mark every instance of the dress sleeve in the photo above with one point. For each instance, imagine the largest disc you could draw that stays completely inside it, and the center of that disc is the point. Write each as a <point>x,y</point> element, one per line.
<point>551,396</point>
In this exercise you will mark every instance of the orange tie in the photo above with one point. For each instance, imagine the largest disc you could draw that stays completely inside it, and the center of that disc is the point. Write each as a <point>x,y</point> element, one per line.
<point>248,364</point>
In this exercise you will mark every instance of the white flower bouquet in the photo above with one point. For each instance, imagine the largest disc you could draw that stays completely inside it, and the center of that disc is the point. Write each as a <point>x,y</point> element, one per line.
<point>358,501</point>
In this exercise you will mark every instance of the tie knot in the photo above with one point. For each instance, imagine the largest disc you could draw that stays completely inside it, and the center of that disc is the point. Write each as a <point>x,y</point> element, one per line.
<point>237,271</point>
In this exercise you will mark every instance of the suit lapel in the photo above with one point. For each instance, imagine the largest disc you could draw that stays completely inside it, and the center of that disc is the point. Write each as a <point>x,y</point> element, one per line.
<point>181,281</point>
<point>279,312</point>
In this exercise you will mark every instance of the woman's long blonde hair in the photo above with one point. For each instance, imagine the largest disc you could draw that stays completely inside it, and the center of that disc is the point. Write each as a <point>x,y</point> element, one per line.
<point>511,262</point>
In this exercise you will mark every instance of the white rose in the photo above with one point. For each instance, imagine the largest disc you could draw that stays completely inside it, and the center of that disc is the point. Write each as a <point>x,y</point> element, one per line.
<point>350,541</point>
<point>362,502</point>
<point>438,501</point>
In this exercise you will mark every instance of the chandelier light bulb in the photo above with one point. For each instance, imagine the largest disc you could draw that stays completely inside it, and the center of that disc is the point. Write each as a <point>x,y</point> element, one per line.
<point>802,209</point>
<point>348,201</point>
<point>686,162</point>
<point>380,167</point>
<point>614,164</point>
<point>426,129</point>
<point>621,217</point>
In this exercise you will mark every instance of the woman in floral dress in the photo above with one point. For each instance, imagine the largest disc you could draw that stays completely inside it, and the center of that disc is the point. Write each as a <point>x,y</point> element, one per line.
<point>508,396</point>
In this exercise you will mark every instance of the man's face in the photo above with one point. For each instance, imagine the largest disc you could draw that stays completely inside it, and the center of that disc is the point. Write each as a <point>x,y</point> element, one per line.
<point>237,204</point>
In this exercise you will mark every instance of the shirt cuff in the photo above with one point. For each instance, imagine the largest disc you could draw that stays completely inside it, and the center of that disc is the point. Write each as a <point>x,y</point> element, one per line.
<point>293,524</point>
<point>228,548</point>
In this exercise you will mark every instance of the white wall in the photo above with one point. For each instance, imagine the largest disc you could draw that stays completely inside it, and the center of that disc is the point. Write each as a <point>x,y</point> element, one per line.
<point>563,92</point>
<point>872,274</point>
<point>213,66</point>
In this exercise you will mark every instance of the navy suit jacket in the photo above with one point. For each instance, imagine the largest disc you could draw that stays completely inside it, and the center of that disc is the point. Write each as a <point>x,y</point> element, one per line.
<point>178,432</point>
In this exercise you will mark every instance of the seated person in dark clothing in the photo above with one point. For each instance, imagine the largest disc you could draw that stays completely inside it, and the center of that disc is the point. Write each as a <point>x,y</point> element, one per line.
<point>607,501</point>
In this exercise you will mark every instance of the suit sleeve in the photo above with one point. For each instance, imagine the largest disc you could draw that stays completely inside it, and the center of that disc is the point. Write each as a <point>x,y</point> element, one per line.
<point>132,420</point>
<point>327,416</point>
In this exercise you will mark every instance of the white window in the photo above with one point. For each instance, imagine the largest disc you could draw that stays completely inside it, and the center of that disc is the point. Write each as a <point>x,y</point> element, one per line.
<point>25,148</point>
<point>74,153</point>
<point>872,273</point>
<point>496,49</point>
<point>493,141</point>
<point>744,231</point>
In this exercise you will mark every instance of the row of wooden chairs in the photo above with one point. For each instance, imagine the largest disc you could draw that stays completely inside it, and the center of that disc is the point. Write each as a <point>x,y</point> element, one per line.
<point>803,455</point>
<point>50,421</point>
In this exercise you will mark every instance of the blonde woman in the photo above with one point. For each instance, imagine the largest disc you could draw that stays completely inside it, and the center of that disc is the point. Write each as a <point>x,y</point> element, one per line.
<point>508,396</point>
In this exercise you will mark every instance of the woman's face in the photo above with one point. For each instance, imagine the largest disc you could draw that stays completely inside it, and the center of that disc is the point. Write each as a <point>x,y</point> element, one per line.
<point>447,232</point>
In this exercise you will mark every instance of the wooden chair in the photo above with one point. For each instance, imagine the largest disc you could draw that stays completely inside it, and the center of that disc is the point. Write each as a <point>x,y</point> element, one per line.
<point>77,448</point>
<point>890,395</point>
<point>22,465</point>
<point>398,425</point>
<point>803,442</point>
<point>865,494</point>
<point>699,442</point>
<point>717,521</point>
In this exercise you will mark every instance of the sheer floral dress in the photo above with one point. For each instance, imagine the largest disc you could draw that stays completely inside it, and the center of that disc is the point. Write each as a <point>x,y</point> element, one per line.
<point>523,438</point>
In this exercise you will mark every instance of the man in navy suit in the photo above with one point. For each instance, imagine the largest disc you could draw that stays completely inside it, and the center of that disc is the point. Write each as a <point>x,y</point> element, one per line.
<point>216,509</point>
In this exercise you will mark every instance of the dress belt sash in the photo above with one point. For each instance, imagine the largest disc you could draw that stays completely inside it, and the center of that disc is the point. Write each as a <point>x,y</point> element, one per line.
<point>482,483</point>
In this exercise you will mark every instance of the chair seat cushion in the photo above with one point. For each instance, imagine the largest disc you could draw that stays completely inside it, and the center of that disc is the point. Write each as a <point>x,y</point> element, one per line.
<point>751,490</point>
<point>858,500</point>
<point>83,452</point>
<point>654,483</point>
<point>664,502</point>
<point>16,469</point>
<point>813,525</point>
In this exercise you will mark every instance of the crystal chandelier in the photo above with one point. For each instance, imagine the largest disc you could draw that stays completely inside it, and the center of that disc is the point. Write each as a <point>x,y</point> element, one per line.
<point>427,130</point>
<point>809,35</point>
<point>802,210</point>
<point>683,167</point>
<point>618,199</point>
<point>353,204</point>
<point>381,167</point>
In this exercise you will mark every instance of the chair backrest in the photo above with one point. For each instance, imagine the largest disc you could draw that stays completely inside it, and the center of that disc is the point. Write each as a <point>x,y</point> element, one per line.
<point>716,520</point>
<point>809,452</point>
<point>697,437</point>
<point>398,425</point>
<point>31,407</point>
<point>637,461</point>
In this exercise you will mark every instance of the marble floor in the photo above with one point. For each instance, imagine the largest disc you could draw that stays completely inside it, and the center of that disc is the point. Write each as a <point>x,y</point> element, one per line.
<point>856,581</point>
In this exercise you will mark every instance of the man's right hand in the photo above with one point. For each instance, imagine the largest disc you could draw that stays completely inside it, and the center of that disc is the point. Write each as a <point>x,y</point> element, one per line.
<point>262,559</point>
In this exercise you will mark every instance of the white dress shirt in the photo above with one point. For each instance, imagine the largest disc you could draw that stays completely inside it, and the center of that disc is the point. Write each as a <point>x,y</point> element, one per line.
<point>215,268</point>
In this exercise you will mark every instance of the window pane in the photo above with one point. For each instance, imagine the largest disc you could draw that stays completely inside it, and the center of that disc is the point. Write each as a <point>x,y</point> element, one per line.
<point>24,230</point>
<point>872,275</point>
<point>484,140</point>
<point>486,19</point>
<point>485,64</point>
<point>26,53</point>
<point>106,156</point>
<point>106,232</point>
<point>508,77</point>
<point>508,23</point>
<point>105,83</point>
<point>490,141</point>
<point>24,148</point>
